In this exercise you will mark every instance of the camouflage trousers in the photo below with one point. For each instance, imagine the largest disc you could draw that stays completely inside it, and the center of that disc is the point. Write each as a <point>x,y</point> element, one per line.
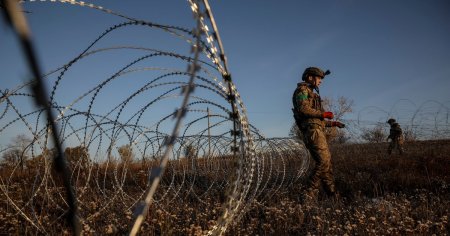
<point>315,141</point>
<point>396,143</point>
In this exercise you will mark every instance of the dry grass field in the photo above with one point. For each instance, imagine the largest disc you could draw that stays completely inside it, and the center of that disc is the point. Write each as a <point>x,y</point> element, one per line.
<point>379,195</point>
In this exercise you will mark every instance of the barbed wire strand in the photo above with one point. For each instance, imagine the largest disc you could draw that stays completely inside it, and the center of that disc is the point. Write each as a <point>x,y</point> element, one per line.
<point>18,22</point>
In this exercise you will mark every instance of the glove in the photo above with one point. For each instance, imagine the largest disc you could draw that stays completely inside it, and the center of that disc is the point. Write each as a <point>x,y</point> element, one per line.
<point>338,124</point>
<point>328,115</point>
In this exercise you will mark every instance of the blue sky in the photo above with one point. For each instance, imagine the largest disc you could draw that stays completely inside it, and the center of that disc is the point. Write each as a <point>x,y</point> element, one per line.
<point>391,55</point>
<point>378,52</point>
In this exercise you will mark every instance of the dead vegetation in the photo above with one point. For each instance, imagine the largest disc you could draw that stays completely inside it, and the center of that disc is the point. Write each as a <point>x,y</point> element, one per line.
<point>379,195</point>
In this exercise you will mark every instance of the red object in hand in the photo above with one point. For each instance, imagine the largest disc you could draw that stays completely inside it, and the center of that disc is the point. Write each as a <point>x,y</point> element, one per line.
<point>328,115</point>
<point>338,124</point>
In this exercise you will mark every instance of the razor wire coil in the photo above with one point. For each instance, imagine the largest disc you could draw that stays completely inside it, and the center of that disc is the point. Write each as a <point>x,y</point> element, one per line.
<point>235,160</point>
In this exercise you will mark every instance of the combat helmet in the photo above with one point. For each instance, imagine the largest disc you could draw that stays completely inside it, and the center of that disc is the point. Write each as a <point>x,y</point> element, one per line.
<point>314,71</point>
<point>390,121</point>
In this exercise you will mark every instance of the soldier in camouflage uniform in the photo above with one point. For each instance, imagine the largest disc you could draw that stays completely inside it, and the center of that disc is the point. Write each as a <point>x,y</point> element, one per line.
<point>310,118</point>
<point>396,137</point>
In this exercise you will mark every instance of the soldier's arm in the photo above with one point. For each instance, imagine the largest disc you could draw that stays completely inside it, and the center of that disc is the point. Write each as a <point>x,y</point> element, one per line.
<point>305,105</point>
<point>389,137</point>
<point>391,134</point>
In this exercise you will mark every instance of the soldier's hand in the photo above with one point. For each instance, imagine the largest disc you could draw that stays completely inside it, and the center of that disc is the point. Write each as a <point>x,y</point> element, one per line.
<point>328,115</point>
<point>338,124</point>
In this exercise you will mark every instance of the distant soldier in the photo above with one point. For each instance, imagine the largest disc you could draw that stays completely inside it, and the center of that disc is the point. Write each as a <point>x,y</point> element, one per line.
<point>396,137</point>
<point>309,116</point>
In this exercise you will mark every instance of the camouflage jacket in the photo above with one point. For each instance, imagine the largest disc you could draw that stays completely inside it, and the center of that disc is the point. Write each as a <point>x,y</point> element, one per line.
<point>307,107</point>
<point>395,132</point>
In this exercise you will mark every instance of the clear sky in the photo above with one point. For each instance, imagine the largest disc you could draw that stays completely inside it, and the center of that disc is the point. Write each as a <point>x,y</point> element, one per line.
<point>378,52</point>
<point>391,55</point>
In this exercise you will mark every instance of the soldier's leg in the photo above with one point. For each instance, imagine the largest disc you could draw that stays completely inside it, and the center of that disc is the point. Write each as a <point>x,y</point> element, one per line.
<point>391,146</point>
<point>400,149</point>
<point>325,168</point>
<point>314,177</point>
<point>313,183</point>
<point>328,182</point>
<point>397,146</point>
<point>400,146</point>
<point>322,171</point>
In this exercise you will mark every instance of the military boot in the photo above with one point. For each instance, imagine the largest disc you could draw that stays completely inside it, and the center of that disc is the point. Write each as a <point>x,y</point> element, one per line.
<point>330,190</point>
<point>332,193</point>
<point>310,197</point>
<point>335,197</point>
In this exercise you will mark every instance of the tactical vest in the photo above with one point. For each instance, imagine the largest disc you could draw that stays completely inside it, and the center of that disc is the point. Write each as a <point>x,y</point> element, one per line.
<point>316,104</point>
<point>396,131</point>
